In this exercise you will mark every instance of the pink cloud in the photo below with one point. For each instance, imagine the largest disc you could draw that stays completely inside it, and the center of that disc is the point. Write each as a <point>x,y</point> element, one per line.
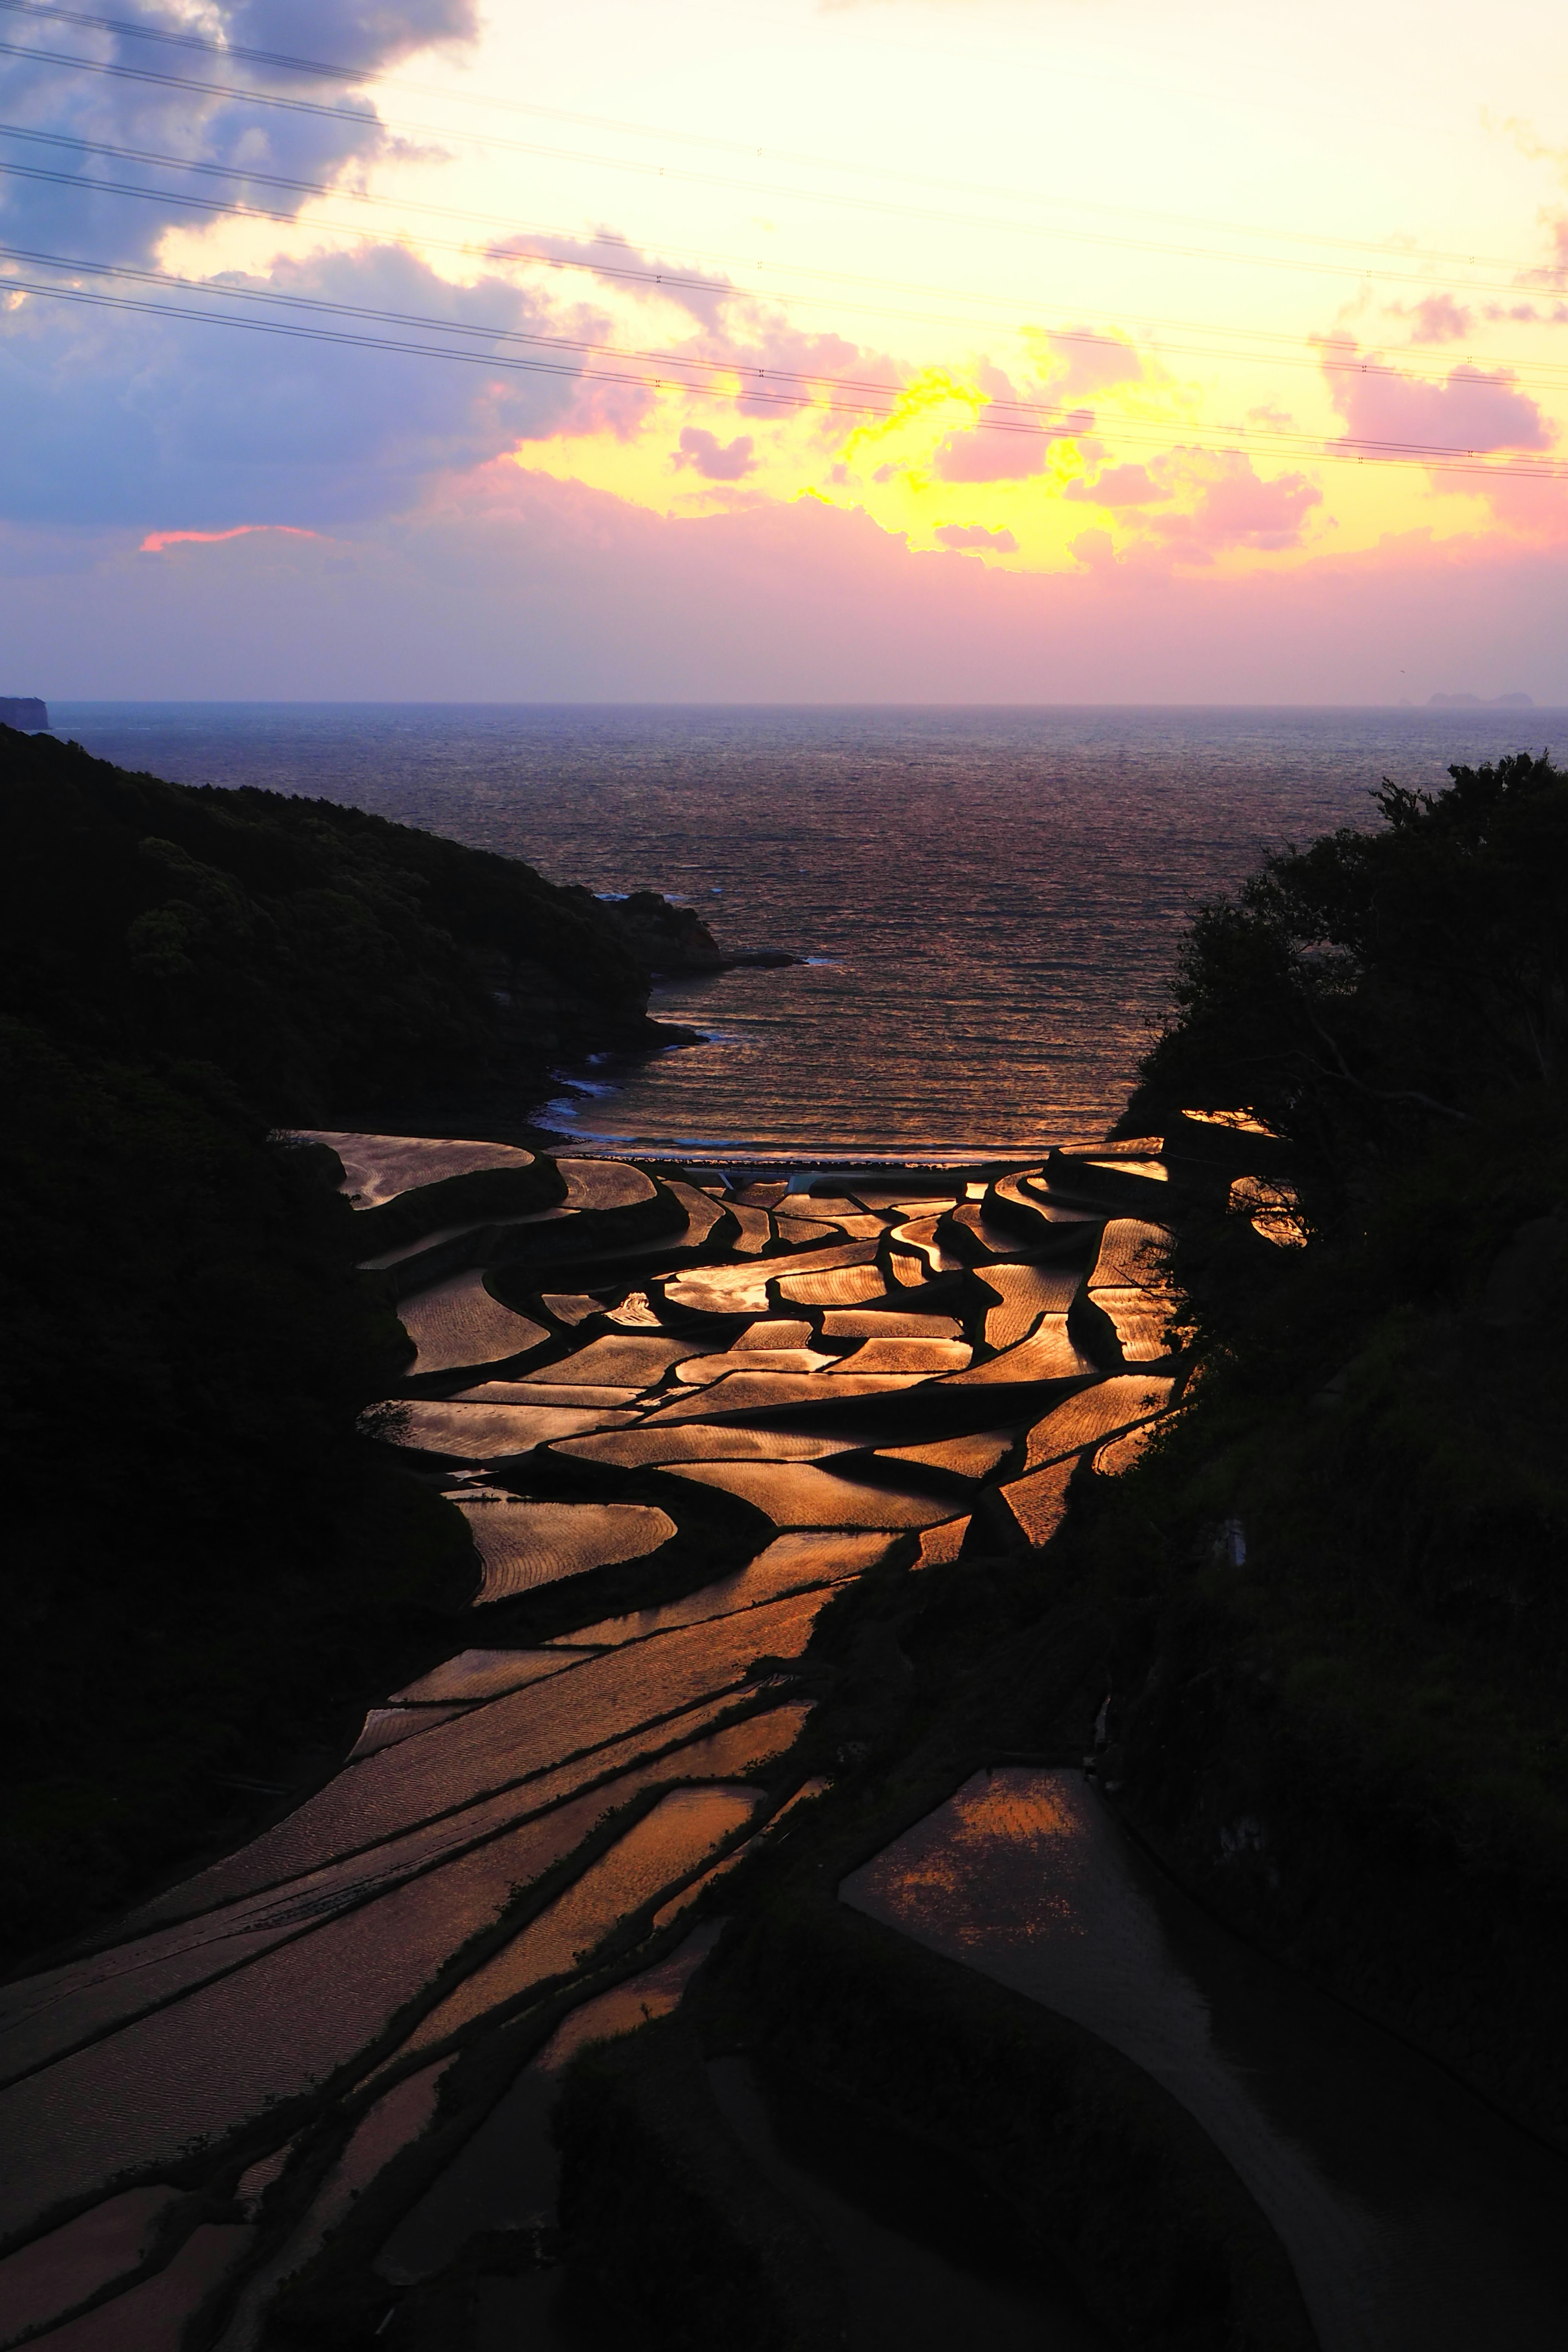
<point>716,461</point>
<point>975,535</point>
<point>613,257</point>
<point>985,455</point>
<point>1235,506</point>
<point>994,450</point>
<point>1119,486</point>
<point>1085,361</point>
<point>157,541</point>
<point>1439,320</point>
<point>513,586</point>
<point>1010,440</point>
<point>764,346</point>
<point>1476,410</point>
<point>1554,273</point>
<point>1222,502</point>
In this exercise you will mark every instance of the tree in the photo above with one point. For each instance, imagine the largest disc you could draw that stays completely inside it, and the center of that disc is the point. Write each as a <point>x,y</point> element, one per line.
<point>1356,991</point>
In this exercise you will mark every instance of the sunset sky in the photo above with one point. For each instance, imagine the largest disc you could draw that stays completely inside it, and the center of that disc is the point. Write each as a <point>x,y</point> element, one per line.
<point>980,350</point>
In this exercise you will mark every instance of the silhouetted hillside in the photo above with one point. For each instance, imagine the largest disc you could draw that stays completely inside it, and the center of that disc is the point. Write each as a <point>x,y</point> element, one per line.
<point>203,1566</point>
<point>1341,1692</point>
<point>319,957</point>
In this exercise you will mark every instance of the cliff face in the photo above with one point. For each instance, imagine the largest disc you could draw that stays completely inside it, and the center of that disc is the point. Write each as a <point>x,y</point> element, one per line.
<point>668,940</point>
<point>23,710</point>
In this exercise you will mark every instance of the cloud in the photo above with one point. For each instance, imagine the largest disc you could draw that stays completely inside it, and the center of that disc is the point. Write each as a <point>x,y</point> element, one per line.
<point>1010,440</point>
<point>1004,445</point>
<point>1438,320</point>
<point>157,541</point>
<point>1476,410</point>
<point>986,455</point>
<point>715,462</point>
<point>1516,311</point>
<point>367,35</point>
<point>1084,360</point>
<point>646,276</point>
<point>513,586</point>
<point>1231,505</point>
<point>1553,274</point>
<point>83,212</point>
<point>1119,486</point>
<point>763,347</point>
<point>1217,499</point>
<point>111,417</point>
<point>964,535</point>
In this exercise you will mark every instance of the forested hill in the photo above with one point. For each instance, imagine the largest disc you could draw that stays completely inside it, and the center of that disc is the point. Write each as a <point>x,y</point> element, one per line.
<point>1340,1697</point>
<point>203,1564</point>
<point>319,957</point>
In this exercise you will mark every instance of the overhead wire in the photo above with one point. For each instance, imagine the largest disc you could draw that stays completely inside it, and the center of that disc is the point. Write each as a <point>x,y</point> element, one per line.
<point>373,121</point>
<point>671,281</point>
<point>824,390</point>
<point>780,388</point>
<point>279,60</point>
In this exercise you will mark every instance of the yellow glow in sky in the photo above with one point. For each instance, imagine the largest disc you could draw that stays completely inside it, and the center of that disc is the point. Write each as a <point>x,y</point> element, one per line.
<point>1052,284</point>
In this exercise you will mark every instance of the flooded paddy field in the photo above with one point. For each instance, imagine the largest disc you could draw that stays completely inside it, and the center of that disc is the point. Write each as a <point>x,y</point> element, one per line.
<point>685,1946</point>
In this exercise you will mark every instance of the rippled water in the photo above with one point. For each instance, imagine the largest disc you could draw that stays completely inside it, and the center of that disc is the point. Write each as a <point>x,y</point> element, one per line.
<point>990,899</point>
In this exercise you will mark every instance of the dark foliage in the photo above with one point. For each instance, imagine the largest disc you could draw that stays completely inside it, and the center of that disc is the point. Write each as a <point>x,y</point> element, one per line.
<point>1356,991</point>
<point>1376,1693</point>
<point>207,1573</point>
<point>319,957</point>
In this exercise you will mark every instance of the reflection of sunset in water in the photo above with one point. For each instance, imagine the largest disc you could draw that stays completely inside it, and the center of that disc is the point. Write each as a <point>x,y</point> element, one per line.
<point>1001,1863</point>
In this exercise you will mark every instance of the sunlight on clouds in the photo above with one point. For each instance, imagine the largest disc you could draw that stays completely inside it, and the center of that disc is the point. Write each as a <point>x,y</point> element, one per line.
<point>1223,322</point>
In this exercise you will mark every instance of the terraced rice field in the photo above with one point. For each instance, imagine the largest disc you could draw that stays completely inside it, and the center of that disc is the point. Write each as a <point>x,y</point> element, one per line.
<point>457,1323</point>
<point>524,1544</point>
<point>687,1453</point>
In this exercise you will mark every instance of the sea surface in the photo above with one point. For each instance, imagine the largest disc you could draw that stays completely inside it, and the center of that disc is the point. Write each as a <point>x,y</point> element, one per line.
<point>989,901</point>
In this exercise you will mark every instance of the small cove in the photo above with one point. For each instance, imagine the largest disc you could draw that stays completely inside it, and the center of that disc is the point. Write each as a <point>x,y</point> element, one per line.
<point>989,899</point>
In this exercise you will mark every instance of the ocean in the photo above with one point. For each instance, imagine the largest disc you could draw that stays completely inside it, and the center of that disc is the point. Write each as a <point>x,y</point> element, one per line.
<point>989,902</point>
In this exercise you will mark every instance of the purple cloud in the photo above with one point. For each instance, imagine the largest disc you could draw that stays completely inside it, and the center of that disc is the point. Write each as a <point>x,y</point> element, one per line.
<point>83,210</point>
<point>111,417</point>
<point>614,257</point>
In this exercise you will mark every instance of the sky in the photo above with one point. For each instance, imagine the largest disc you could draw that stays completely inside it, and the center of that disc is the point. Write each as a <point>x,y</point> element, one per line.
<point>1007,351</point>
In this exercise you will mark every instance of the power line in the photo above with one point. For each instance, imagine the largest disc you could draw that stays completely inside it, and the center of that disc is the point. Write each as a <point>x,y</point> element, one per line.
<point>286,62</point>
<point>872,400</point>
<point>660,278</point>
<point>669,360</point>
<point>711,180</point>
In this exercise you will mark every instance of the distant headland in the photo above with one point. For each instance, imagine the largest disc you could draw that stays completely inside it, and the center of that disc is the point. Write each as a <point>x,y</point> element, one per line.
<point>24,711</point>
<point>1480,702</point>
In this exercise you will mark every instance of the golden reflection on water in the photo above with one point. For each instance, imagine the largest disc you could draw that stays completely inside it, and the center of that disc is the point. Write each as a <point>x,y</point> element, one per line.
<point>1002,1862</point>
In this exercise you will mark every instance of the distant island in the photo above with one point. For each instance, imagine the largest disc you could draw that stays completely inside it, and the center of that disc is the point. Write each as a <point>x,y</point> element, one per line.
<point>1480,702</point>
<point>24,711</point>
